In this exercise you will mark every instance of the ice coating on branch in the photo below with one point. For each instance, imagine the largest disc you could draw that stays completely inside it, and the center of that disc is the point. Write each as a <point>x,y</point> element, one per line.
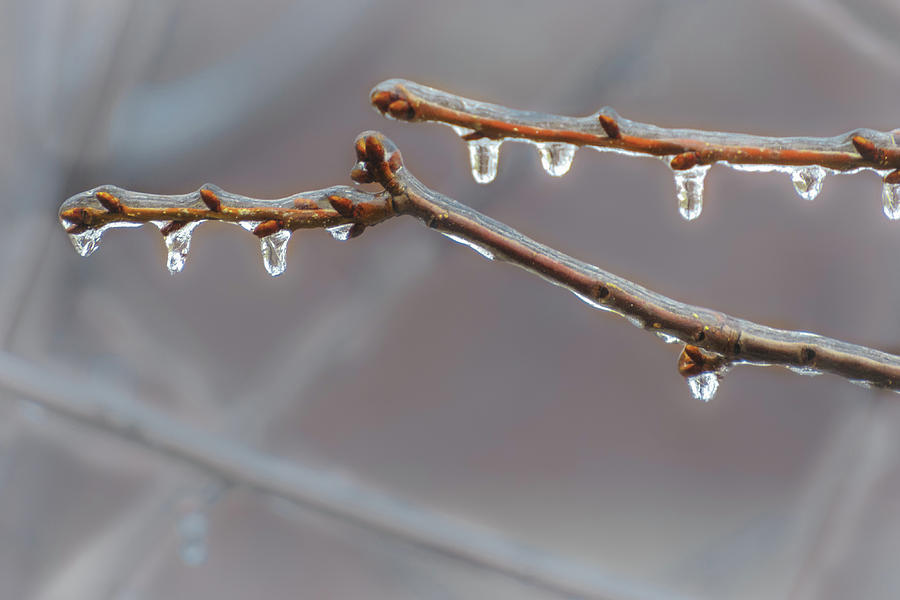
<point>484,154</point>
<point>890,198</point>
<point>808,181</point>
<point>669,339</point>
<point>556,158</point>
<point>341,232</point>
<point>479,249</point>
<point>704,385</point>
<point>689,190</point>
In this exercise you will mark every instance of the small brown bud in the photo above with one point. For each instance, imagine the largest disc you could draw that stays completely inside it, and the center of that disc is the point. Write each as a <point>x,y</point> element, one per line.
<point>395,161</point>
<point>77,228</point>
<point>694,361</point>
<point>610,126</point>
<point>356,230</point>
<point>893,177</point>
<point>401,109</point>
<point>109,202</point>
<point>343,206</point>
<point>382,100</point>
<point>685,160</point>
<point>360,147</point>
<point>171,227</point>
<point>374,149</point>
<point>211,200</point>
<point>360,174</point>
<point>866,148</point>
<point>78,215</point>
<point>267,228</point>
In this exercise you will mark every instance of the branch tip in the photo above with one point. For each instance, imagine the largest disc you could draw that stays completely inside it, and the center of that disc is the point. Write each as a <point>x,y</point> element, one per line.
<point>685,161</point>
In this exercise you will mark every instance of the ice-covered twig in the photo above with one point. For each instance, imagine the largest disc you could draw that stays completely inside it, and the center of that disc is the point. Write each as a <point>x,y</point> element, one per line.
<point>689,152</point>
<point>342,210</point>
<point>714,341</point>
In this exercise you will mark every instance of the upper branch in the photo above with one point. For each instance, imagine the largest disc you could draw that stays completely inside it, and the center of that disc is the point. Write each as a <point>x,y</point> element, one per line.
<point>689,152</point>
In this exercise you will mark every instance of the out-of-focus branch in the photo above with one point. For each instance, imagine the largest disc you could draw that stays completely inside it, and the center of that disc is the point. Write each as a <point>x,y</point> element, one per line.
<point>320,490</point>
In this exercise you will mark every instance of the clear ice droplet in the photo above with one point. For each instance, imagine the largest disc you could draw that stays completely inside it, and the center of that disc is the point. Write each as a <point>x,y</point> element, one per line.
<point>341,232</point>
<point>556,158</point>
<point>274,251</point>
<point>669,339</point>
<point>689,190</point>
<point>808,181</point>
<point>704,386</point>
<point>178,243</point>
<point>87,242</point>
<point>890,198</point>
<point>483,156</point>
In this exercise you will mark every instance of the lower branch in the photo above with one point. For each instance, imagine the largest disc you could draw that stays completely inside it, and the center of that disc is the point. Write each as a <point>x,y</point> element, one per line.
<point>714,341</point>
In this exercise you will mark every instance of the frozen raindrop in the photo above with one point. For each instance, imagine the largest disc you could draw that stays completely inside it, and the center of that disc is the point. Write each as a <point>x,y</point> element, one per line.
<point>87,242</point>
<point>341,232</point>
<point>461,131</point>
<point>556,158</point>
<point>193,528</point>
<point>808,181</point>
<point>890,198</point>
<point>704,386</point>
<point>178,242</point>
<point>274,251</point>
<point>689,189</point>
<point>483,156</point>
<point>479,249</point>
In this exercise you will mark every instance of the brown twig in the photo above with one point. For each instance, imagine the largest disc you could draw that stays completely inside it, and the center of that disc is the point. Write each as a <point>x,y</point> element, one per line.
<point>606,130</point>
<point>714,341</point>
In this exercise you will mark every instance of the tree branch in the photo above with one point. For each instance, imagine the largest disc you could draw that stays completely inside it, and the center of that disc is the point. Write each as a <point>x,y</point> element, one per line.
<point>690,152</point>
<point>714,341</point>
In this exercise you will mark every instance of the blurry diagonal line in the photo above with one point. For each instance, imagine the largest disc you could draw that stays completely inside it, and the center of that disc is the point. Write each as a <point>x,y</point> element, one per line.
<point>110,410</point>
<point>846,25</point>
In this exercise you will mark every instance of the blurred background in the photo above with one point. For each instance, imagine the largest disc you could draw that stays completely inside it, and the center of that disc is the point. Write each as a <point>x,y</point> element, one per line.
<point>395,417</point>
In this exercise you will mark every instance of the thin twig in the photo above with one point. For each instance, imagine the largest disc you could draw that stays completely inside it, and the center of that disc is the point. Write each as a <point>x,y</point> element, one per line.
<point>606,130</point>
<point>321,490</point>
<point>714,341</point>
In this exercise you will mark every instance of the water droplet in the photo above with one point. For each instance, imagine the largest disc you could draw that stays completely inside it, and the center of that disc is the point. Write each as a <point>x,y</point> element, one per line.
<point>87,242</point>
<point>479,249</point>
<point>890,198</point>
<point>556,158</point>
<point>689,189</point>
<point>483,156</point>
<point>808,181</point>
<point>274,251</point>
<point>341,232</point>
<point>178,243</point>
<point>704,386</point>
<point>193,528</point>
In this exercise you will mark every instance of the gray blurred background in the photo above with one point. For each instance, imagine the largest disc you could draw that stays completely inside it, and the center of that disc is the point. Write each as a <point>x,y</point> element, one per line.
<point>415,421</point>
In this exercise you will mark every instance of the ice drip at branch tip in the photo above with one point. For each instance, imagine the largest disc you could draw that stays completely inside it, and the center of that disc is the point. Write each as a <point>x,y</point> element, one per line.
<point>341,232</point>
